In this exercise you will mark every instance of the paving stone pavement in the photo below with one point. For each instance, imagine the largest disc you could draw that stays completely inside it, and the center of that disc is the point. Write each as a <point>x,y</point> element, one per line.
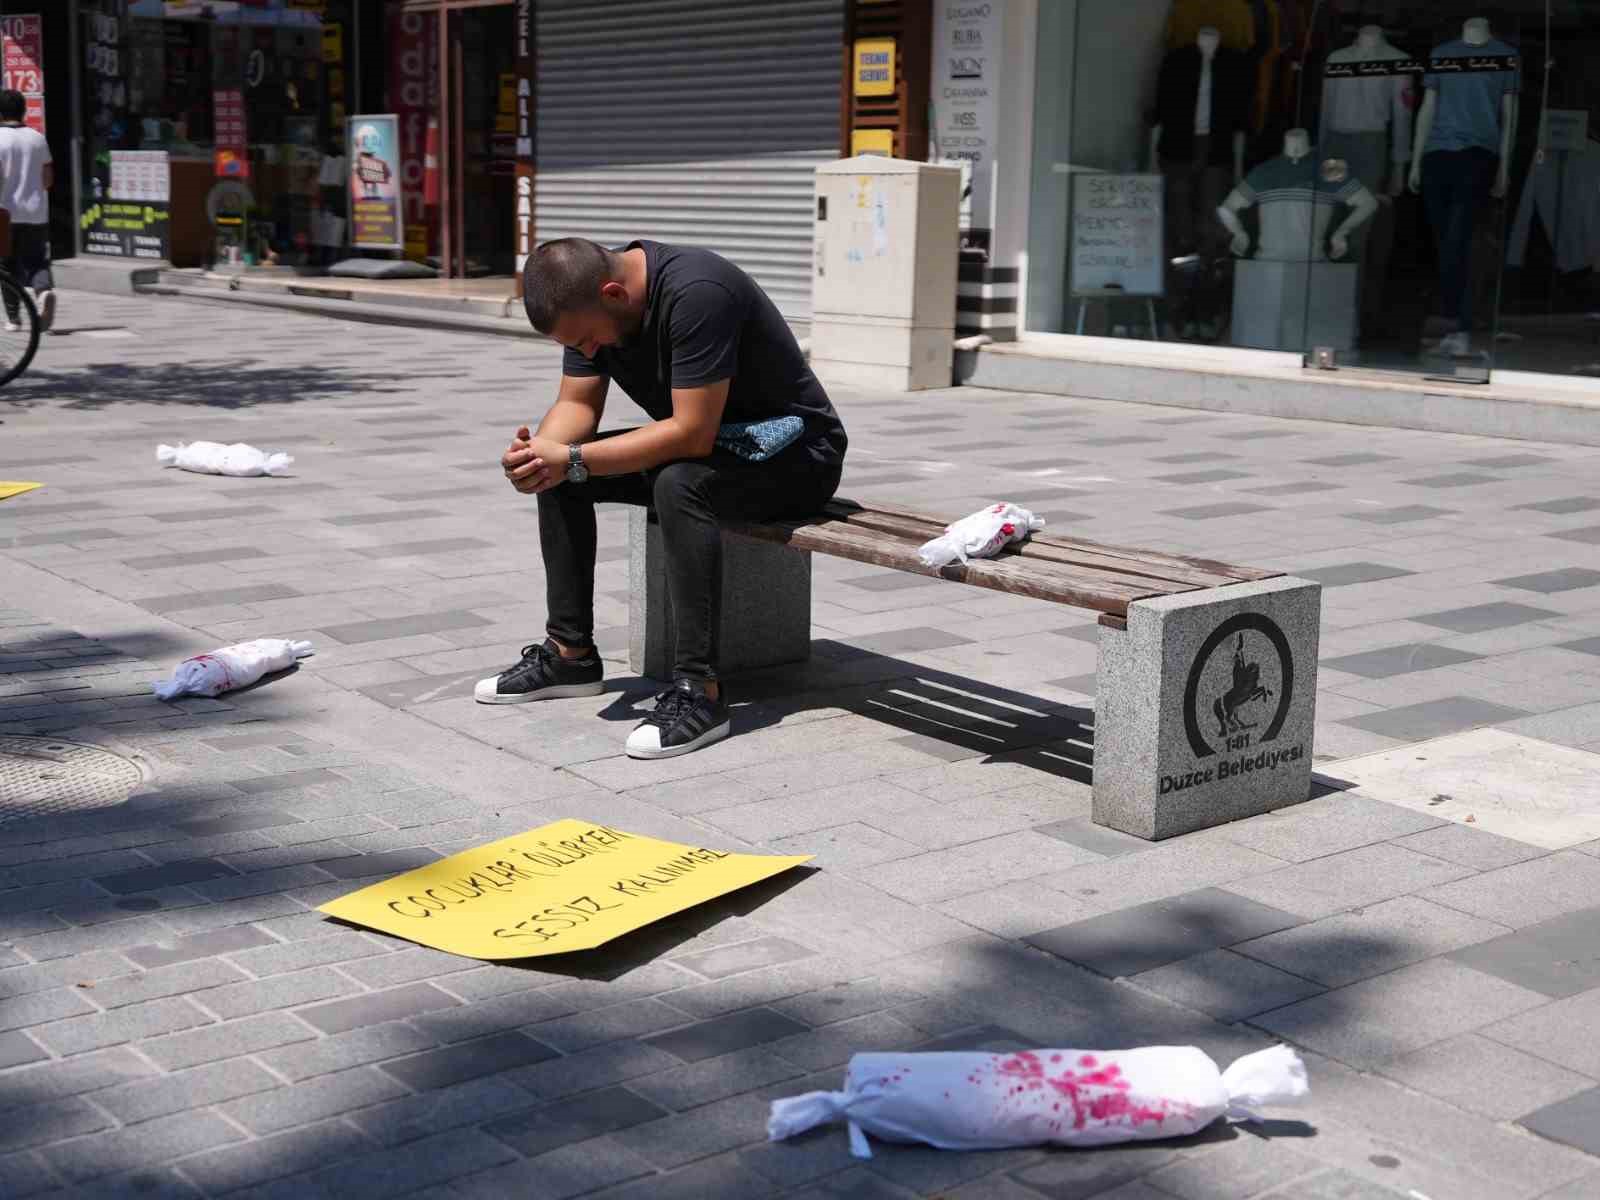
<point>175,1020</point>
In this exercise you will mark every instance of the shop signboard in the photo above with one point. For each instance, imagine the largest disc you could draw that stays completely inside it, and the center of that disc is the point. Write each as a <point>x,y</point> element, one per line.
<point>23,59</point>
<point>524,62</point>
<point>377,208</point>
<point>231,145</point>
<point>413,98</point>
<point>873,72</point>
<point>872,141</point>
<point>1116,234</point>
<point>966,60</point>
<point>130,228</point>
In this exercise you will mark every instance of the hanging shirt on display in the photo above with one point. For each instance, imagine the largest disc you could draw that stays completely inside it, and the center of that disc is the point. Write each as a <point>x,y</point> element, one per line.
<point>1296,206</point>
<point>1468,115</point>
<point>1567,201</point>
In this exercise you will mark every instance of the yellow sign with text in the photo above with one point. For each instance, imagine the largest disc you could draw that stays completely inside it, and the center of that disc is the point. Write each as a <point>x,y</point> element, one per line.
<point>874,67</point>
<point>872,141</point>
<point>570,885</point>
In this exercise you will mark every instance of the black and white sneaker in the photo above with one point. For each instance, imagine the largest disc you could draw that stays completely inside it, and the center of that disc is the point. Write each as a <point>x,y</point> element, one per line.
<point>685,719</point>
<point>543,675</point>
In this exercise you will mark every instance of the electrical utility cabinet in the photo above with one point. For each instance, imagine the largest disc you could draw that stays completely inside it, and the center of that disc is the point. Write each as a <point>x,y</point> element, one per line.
<point>884,293</point>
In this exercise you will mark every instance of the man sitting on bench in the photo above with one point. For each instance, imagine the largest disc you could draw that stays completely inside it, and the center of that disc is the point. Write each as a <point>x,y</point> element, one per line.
<point>741,430</point>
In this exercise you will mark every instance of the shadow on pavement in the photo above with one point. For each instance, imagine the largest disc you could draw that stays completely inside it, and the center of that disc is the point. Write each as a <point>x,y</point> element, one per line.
<point>231,383</point>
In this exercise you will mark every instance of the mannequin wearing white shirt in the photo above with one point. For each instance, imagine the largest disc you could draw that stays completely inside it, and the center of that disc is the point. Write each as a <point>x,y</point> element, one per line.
<point>1367,120</point>
<point>1290,185</point>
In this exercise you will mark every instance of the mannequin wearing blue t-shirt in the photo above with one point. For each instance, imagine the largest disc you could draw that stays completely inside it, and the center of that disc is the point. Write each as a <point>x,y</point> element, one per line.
<point>1462,158</point>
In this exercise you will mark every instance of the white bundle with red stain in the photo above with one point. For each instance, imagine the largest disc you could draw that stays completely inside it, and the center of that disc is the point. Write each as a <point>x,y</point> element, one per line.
<point>213,458</point>
<point>980,536</point>
<point>231,667</point>
<point>976,1101</point>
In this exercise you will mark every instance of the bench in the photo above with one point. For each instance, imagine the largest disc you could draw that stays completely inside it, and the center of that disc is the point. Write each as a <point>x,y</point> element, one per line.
<point>1207,676</point>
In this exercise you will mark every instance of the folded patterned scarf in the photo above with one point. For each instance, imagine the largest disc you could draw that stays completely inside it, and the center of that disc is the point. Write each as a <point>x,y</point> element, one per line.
<point>757,441</point>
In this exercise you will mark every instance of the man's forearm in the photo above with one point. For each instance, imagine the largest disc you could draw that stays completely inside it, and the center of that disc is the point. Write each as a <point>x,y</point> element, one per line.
<point>640,449</point>
<point>567,423</point>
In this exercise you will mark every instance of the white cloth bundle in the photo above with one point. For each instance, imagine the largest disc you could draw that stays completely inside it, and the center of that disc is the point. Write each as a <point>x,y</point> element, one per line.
<point>976,1101</point>
<point>980,536</point>
<point>231,667</point>
<point>213,458</point>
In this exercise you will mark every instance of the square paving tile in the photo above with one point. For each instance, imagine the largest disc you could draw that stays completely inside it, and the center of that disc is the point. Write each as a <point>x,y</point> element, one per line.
<point>1452,480</point>
<point>1350,879</point>
<point>385,628</point>
<point>1480,618</point>
<point>1345,574</point>
<point>1565,579</point>
<point>1208,512</point>
<point>1295,489</point>
<point>1400,514</point>
<point>1082,684</point>
<point>1091,633</point>
<point>1510,460</point>
<point>893,581</point>
<point>1227,985</point>
<point>1434,718</point>
<point>1368,941</point>
<point>1527,893</point>
<point>1138,939</point>
<point>1561,1032</point>
<point>1348,460</point>
<point>1399,660</point>
<point>1575,1121</point>
<point>1378,1019</point>
<point>1567,504</point>
<point>1085,833</point>
<point>1201,476</point>
<point>1589,535</point>
<point>1583,645</point>
<point>1559,957</point>
<point>1483,1076</point>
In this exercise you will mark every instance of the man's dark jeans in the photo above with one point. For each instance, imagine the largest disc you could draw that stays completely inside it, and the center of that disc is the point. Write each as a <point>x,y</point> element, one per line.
<point>28,263</point>
<point>1456,186</point>
<point>689,499</point>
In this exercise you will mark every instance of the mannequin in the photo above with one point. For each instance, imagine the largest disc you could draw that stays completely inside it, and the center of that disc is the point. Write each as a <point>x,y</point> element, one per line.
<point>1198,132</point>
<point>1197,142</point>
<point>1462,158</point>
<point>1367,123</point>
<point>1297,206</point>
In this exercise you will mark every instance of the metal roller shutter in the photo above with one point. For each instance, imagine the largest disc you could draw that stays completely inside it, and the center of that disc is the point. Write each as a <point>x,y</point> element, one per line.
<point>693,121</point>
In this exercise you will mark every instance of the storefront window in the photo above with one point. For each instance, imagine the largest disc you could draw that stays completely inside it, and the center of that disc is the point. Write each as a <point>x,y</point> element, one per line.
<point>215,129</point>
<point>1333,180</point>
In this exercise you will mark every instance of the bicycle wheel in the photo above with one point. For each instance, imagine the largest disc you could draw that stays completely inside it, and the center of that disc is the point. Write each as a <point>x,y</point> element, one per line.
<point>19,329</point>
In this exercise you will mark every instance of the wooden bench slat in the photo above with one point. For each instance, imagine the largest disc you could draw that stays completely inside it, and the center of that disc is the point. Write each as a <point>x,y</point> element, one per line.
<point>1163,571</point>
<point>1081,587</point>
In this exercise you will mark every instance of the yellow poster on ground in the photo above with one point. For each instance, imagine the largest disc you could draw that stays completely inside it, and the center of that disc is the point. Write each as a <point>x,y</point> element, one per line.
<point>9,489</point>
<point>570,885</point>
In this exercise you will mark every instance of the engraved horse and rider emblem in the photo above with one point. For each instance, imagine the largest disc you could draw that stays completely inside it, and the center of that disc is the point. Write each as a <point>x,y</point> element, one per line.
<point>1245,690</point>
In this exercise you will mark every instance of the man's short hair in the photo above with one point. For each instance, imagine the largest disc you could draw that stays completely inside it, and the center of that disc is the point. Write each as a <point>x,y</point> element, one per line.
<point>565,276</point>
<point>13,105</point>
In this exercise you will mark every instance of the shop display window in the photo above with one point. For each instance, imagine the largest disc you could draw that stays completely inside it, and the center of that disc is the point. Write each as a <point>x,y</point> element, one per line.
<point>1397,186</point>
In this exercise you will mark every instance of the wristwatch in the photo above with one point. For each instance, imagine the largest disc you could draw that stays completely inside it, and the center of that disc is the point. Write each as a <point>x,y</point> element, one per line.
<point>576,471</point>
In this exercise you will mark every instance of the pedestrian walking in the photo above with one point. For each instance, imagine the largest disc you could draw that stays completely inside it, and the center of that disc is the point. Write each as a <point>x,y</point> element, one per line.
<point>26,176</point>
<point>740,430</point>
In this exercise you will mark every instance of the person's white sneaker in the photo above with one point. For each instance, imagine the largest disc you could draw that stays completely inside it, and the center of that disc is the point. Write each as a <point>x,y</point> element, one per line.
<point>685,719</point>
<point>47,309</point>
<point>13,327</point>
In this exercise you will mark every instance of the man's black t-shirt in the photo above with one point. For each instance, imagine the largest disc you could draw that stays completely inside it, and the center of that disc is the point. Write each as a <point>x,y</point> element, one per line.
<point>705,320</point>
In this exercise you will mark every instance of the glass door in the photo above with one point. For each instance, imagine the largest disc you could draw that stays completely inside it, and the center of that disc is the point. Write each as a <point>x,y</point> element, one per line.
<point>480,142</point>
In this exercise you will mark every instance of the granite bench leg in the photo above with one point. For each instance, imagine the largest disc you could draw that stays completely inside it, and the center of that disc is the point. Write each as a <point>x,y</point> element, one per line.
<point>1205,707</point>
<point>766,603</point>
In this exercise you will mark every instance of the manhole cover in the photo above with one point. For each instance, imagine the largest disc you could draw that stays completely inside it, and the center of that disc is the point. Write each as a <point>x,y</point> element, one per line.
<point>42,776</point>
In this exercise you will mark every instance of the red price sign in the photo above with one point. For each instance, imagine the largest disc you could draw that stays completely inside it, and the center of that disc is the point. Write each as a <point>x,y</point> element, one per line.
<point>232,140</point>
<point>21,62</point>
